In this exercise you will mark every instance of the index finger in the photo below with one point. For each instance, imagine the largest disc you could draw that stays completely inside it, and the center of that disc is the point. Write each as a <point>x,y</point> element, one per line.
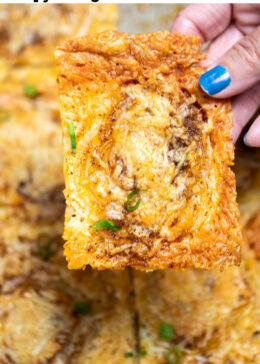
<point>205,20</point>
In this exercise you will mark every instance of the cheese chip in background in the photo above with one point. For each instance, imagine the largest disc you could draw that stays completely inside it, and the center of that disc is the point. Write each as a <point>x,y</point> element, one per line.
<point>30,32</point>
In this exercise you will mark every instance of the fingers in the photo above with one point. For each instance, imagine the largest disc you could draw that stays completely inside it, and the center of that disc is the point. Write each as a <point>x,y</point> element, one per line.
<point>244,106</point>
<point>237,70</point>
<point>222,44</point>
<point>205,20</point>
<point>246,16</point>
<point>236,58</point>
<point>252,138</point>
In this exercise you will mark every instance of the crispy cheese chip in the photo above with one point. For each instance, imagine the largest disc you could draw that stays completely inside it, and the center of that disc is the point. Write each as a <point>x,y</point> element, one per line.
<point>143,124</point>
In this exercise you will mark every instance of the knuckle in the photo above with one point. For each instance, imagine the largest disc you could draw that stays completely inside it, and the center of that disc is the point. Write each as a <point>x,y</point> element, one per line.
<point>240,13</point>
<point>248,49</point>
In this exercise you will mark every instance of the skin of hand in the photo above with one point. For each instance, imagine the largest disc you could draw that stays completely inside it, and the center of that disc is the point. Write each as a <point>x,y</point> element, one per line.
<point>233,57</point>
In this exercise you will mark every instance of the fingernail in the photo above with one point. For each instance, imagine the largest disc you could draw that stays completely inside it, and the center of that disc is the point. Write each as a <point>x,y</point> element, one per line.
<point>244,140</point>
<point>215,80</point>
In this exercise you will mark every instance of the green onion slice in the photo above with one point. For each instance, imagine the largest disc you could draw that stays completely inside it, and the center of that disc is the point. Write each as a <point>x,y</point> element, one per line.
<point>143,352</point>
<point>128,355</point>
<point>166,331</point>
<point>106,224</point>
<point>177,354</point>
<point>82,308</point>
<point>30,91</point>
<point>129,197</point>
<point>44,251</point>
<point>4,115</point>
<point>72,137</point>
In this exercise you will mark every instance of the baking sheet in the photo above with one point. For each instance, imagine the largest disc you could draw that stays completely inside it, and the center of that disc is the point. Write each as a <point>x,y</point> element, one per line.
<point>144,18</point>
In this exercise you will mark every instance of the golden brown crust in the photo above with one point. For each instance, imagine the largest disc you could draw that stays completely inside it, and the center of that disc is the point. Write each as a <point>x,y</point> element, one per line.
<point>125,58</point>
<point>143,123</point>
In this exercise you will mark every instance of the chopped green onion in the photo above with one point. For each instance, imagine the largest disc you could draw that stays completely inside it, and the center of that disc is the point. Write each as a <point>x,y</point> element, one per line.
<point>106,224</point>
<point>30,91</point>
<point>72,137</point>
<point>128,355</point>
<point>177,354</point>
<point>166,331</point>
<point>143,352</point>
<point>129,197</point>
<point>4,115</point>
<point>44,251</point>
<point>82,308</point>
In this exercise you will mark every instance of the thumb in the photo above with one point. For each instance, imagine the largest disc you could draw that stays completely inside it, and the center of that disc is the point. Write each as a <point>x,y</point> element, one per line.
<point>237,70</point>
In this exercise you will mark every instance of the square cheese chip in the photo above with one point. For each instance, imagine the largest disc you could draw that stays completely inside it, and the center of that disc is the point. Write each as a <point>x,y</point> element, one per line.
<point>148,179</point>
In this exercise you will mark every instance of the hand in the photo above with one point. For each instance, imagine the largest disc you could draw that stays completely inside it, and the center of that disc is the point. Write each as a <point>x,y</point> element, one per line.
<point>233,57</point>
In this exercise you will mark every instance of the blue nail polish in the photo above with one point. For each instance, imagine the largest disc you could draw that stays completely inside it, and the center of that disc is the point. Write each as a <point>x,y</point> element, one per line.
<point>215,80</point>
<point>244,140</point>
